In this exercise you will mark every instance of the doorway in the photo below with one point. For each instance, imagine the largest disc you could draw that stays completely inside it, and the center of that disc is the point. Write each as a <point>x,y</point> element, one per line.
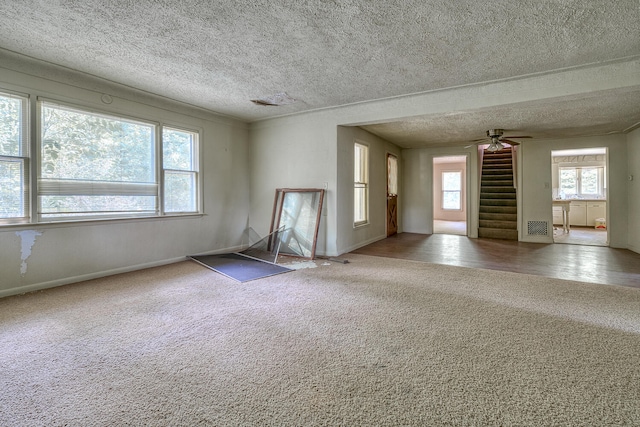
<point>450,195</point>
<point>392,194</point>
<point>579,191</point>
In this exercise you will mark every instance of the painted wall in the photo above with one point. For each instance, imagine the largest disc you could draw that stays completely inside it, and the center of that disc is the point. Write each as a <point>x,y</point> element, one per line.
<point>438,211</point>
<point>44,255</point>
<point>296,152</point>
<point>535,184</point>
<point>419,171</point>
<point>301,149</point>
<point>348,236</point>
<point>633,190</point>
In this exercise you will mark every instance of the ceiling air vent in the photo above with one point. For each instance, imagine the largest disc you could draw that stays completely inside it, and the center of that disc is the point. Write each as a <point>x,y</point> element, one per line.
<point>274,100</point>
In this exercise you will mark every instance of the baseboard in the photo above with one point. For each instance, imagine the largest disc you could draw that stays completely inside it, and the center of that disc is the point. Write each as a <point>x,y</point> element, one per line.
<point>97,275</point>
<point>361,244</point>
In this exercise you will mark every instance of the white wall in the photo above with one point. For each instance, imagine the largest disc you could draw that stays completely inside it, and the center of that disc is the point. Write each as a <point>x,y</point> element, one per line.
<point>297,152</point>
<point>348,237</point>
<point>633,190</point>
<point>65,253</point>
<point>535,184</point>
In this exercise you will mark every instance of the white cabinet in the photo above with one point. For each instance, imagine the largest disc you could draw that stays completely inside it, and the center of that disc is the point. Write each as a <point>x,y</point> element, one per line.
<point>578,214</point>
<point>557,215</point>
<point>582,213</point>
<point>595,210</point>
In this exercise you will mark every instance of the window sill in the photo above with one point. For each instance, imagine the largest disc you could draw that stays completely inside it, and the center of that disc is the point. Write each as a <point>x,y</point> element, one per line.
<point>91,222</point>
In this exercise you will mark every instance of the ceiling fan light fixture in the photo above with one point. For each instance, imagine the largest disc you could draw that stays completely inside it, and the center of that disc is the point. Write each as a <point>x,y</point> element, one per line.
<point>495,145</point>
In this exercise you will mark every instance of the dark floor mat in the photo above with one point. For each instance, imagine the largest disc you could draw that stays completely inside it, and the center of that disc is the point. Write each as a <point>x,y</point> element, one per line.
<point>239,267</point>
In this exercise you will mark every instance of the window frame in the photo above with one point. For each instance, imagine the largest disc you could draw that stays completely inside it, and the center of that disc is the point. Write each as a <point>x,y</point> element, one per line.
<point>362,183</point>
<point>443,191</point>
<point>24,159</point>
<point>197,167</point>
<point>32,109</point>
<point>578,170</point>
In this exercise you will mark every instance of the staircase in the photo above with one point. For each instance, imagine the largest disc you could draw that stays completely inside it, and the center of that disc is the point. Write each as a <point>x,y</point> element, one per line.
<point>498,207</point>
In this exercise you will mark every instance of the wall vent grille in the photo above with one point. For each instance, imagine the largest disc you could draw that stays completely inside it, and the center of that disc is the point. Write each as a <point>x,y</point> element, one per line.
<point>537,228</point>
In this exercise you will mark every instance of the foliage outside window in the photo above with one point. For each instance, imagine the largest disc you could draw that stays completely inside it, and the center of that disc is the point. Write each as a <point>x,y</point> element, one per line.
<point>361,184</point>
<point>451,190</point>
<point>180,166</point>
<point>14,158</point>
<point>92,166</point>
<point>582,181</point>
<point>95,165</point>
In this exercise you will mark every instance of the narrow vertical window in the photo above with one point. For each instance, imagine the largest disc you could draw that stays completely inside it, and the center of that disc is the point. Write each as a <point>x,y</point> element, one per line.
<point>180,168</point>
<point>392,175</point>
<point>14,159</point>
<point>361,184</point>
<point>451,190</point>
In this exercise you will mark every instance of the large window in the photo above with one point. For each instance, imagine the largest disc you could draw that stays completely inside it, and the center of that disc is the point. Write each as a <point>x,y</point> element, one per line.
<point>95,165</point>
<point>14,158</point>
<point>90,165</point>
<point>582,181</point>
<point>361,184</point>
<point>451,190</point>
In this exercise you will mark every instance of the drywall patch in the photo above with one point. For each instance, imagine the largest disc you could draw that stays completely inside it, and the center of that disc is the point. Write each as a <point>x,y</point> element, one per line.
<point>27,238</point>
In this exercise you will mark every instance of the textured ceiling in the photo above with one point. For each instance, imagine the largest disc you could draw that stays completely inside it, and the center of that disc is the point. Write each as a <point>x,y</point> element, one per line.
<point>613,111</point>
<point>219,55</point>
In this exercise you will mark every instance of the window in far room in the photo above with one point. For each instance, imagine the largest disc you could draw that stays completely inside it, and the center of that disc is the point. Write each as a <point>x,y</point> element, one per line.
<point>361,184</point>
<point>451,188</point>
<point>582,181</point>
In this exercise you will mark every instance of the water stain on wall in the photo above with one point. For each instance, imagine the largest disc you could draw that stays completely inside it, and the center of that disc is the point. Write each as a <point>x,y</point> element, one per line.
<point>27,238</point>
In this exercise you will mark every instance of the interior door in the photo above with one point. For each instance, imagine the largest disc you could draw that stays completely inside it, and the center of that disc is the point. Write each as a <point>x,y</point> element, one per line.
<point>392,195</point>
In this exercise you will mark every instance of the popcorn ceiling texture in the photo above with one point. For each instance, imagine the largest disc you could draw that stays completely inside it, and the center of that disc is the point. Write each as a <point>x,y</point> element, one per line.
<point>219,55</point>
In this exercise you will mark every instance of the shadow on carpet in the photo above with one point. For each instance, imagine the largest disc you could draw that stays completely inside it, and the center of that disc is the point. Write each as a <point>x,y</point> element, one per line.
<point>239,267</point>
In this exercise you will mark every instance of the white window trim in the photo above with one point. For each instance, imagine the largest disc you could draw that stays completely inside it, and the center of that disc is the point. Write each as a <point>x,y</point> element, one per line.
<point>364,184</point>
<point>32,162</point>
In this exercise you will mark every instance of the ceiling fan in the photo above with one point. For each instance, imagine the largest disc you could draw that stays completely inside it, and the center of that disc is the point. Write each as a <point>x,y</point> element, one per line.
<point>496,140</point>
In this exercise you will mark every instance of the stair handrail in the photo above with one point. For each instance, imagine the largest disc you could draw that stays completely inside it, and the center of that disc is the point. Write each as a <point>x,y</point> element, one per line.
<point>514,165</point>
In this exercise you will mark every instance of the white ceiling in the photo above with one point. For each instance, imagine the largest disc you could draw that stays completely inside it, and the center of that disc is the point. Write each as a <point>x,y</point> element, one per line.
<point>220,55</point>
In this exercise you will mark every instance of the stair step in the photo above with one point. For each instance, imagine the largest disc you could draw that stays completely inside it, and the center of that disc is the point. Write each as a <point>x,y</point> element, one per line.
<point>499,209</point>
<point>489,194</point>
<point>498,202</point>
<point>504,225</point>
<point>502,153</point>
<point>500,186</point>
<point>497,160</point>
<point>497,233</point>
<point>498,216</point>
<point>496,166</point>
<point>491,172</point>
<point>504,174</point>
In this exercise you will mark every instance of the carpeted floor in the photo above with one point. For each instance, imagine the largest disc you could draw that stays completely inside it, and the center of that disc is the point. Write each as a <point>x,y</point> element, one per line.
<point>376,342</point>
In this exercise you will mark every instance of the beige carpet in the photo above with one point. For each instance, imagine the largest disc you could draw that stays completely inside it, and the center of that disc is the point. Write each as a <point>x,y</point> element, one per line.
<point>376,342</point>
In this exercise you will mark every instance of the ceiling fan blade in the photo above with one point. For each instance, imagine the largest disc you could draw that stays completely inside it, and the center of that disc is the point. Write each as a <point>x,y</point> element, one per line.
<point>517,137</point>
<point>508,141</point>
